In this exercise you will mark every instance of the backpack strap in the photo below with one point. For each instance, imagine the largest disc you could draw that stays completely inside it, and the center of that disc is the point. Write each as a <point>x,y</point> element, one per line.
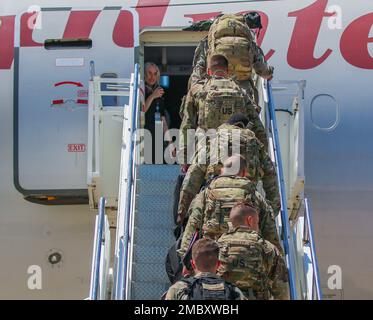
<point>191,282</point>
<point>231,293</point>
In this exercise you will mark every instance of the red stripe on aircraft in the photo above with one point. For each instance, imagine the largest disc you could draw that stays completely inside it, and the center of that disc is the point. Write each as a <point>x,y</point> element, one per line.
<point>7,42</point>
<point>80,24</point>
<point>57,102</point>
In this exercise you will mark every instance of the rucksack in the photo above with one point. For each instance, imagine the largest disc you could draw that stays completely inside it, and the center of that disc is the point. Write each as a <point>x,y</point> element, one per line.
<point>248,146</point>
<point>221,99</point>
<point>221,195</point>
<point>245,264</point>
<point>231,37</point>
<point>209,288</point>
<point>173,263</point>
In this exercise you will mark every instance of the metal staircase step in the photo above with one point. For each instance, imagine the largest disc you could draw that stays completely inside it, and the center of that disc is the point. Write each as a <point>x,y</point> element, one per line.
<point>154,272</point>
<point>148,290</point>
<point>155,203</point>
<point>163,238</point>
<point>153,233</point>
<point>152,172</point>
<point>157,219</point>
<point>156,187</point>
<point>150,254</point>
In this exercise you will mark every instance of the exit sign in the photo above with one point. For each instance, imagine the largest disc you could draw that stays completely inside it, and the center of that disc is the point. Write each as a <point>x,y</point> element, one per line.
<point>76,147</point>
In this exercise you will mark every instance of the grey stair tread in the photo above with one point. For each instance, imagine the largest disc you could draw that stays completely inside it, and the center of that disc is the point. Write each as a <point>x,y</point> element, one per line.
<point>158,172</point>
<point>155,273</point>
<point>158,219</point>
<point>155,187</point>
<point>157,202</point>
<point>148,290</point>
<point>153,237</point>
<point>153,233</point>
<point>149,254</point>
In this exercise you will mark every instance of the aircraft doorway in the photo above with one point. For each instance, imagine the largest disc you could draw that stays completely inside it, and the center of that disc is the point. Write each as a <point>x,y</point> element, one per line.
<point>176,63</point>
<point>172,50</point>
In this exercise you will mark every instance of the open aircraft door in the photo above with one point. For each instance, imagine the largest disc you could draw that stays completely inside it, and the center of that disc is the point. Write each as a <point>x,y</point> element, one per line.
<point>54,51</point>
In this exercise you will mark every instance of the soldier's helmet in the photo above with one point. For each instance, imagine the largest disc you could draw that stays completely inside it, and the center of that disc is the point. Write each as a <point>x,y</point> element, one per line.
<point>253,20</point>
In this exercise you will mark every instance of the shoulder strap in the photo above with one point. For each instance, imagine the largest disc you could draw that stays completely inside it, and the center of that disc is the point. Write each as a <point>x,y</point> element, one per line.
<point>189,291</point>
<point>231,293</point>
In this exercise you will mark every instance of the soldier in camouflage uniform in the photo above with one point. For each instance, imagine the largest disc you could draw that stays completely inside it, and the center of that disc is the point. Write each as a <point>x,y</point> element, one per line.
<point>255,56</point>
<point>211,102</point>
<point>250,262</point>
<point>209,211</point>
<point>205,284</point>
<point>260,166</point>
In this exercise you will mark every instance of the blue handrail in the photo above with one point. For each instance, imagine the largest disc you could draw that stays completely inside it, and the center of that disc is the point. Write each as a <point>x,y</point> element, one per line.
<point>315,264</point>
<point>99,240</point>
<point>280,177</point>
<point>122,295</point>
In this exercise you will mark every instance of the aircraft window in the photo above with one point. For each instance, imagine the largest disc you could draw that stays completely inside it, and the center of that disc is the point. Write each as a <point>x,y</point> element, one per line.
<point>325,112</point>
<point>62,44</point>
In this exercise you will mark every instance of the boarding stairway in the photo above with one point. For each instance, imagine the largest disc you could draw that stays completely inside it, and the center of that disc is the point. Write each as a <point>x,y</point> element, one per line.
<point>143,206</point>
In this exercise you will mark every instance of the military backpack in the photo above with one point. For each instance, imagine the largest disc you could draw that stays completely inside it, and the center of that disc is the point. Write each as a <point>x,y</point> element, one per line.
<point>231,140</point>
<point>231,37</point>
<point>221,195</point>
<point>220,99</point>
<point>242,254</point>
<point>209,288</point>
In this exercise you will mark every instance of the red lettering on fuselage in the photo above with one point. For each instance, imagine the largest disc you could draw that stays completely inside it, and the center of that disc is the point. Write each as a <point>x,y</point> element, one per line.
<point>80,24</point>
<point>353,45</point>
<point>123,30</point>
<point>151,14</point>
<point>306,30</point>
<point>7,42</point>
<point>27,21</point>
<point>355,40</point>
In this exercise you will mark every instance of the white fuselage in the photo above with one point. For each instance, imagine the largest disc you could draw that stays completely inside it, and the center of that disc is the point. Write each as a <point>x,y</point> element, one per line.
<point>301,40</point>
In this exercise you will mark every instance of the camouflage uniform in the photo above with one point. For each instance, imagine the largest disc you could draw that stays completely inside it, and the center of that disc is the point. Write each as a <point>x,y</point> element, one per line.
<point>257,59</point>
<point>260,167</point>
<point>253,264</point>
<point>210,103</point>
<point>209,210</point>
<point>178,291</point>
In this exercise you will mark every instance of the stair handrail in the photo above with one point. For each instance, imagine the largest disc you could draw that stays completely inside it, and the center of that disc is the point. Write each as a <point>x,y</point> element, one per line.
<point>99,238</point>
<point>286,235</point>
<point>125,240</point>
<point>309,239</point>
